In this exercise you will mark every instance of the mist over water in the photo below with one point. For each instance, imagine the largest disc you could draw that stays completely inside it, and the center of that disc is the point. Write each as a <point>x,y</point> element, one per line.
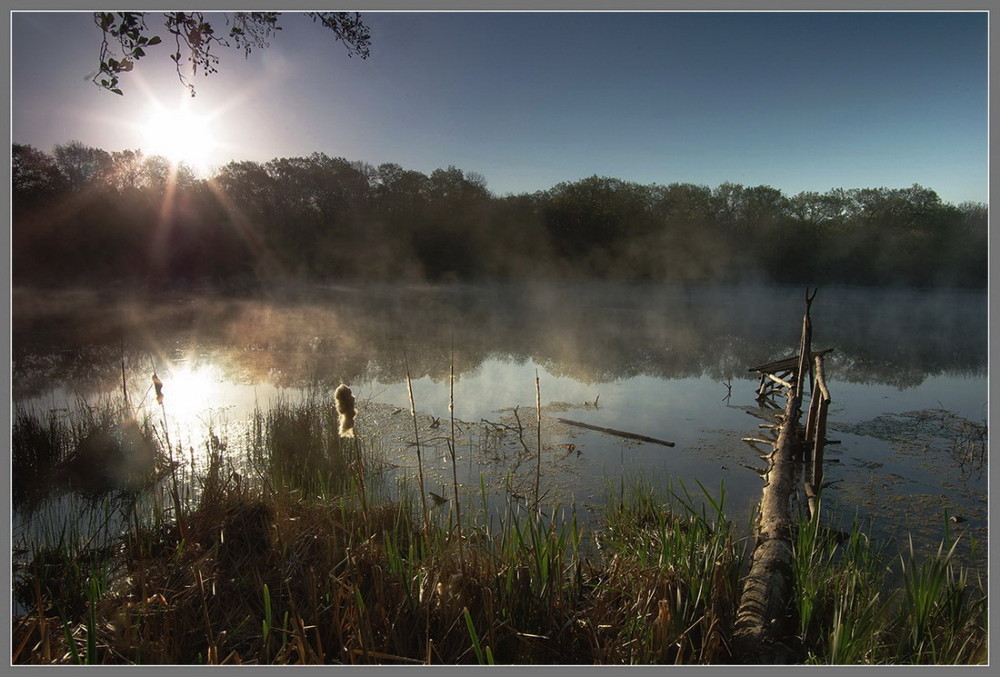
<point>300,337</point>
<point>671,362</point>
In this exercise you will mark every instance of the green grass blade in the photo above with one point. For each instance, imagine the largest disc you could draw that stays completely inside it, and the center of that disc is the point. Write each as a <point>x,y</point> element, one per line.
<point>474,636</point>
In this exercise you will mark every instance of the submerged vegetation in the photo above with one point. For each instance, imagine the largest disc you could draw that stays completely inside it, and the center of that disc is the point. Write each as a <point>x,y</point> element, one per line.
<point>289,545</point>
<point>84,215</point>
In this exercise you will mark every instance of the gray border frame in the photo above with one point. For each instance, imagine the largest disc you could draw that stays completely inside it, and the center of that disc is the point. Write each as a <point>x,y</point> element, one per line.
<point>502,6</point>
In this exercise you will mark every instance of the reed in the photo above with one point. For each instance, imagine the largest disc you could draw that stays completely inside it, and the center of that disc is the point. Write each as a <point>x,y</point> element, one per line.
<point>452,443</point>
<point>38,447</point>
<point>849,615</point>
<point>941,617</point>
<point>691,562</point>
<point>174,486</point>
<point>538,422</point>
<point>416,441</point>
<point>838,593</point>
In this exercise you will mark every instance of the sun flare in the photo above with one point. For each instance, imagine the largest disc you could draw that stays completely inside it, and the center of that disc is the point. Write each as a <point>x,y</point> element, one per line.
<point>180,135</point>
<point>190,391</point>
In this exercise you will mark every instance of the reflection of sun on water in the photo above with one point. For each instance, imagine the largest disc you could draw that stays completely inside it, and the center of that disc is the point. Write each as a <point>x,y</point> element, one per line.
<point>188,392</point>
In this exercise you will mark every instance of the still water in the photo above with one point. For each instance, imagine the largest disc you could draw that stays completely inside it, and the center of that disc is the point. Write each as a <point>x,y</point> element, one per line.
<point>908,379</point>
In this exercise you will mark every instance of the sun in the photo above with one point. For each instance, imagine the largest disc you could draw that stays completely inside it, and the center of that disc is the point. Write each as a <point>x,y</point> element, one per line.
<point>181,136</point>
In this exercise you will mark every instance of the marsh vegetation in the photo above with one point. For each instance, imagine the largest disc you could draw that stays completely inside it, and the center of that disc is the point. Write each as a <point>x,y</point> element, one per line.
<point>291,554</point>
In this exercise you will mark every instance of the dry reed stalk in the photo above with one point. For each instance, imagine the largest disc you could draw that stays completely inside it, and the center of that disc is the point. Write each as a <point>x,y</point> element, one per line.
<point>454,462</point>
<point>362,494</point>
<point>232,659</point>
<point>306,653</point>
<point>26,626</point>
<point>320,651</point>
<point>346,412</point>
<point>43,624</point>
<point>124,386</point>
<point>416,436</point>
<point>206,617</point>
<point>488,607</point>
<point>174,492</point>
<point>538,421</point>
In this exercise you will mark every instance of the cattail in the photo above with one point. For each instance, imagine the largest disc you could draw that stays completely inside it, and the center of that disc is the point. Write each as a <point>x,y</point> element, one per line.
<point>345,407</point>
<point>158,385</point>
<point>661,629</point>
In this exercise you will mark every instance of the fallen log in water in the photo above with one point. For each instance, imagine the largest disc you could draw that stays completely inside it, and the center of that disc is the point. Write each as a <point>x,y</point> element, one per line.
<point>618,433</point>
<point>763,621</point>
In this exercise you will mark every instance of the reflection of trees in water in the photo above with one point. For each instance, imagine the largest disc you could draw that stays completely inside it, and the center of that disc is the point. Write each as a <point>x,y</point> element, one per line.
<point>591,333</point>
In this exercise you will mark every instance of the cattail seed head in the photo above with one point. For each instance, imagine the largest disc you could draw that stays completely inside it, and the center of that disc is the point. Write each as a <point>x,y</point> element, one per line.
<point>344,399</point>
<point>158,385</point>
<point>661,628</point>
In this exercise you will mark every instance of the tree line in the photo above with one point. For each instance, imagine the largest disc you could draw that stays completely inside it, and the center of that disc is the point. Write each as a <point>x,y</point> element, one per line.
<point>85,215</point>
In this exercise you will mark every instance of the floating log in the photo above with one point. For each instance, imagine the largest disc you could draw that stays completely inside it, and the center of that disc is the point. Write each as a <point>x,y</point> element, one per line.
<point>617,433</point>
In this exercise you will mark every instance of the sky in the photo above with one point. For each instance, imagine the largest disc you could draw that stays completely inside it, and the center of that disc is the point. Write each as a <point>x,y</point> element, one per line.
<point>801,101</point>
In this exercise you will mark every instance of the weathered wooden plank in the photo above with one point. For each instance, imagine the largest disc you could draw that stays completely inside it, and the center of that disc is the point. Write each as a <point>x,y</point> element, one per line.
<point>787,364</point>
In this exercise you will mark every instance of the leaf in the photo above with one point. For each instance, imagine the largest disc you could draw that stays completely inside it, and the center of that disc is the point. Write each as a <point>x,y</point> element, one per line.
<point>473,635</point>
<point>155,40</point>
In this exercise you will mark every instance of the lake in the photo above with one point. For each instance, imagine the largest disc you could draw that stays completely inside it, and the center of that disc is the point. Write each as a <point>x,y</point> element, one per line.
<point>907,375</point>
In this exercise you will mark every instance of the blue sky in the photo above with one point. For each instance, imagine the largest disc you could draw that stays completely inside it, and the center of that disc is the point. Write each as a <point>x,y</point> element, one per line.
<point>799,101</point>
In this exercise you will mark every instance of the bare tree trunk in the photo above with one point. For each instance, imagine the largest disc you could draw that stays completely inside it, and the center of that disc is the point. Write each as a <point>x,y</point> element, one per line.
<point>763,619</point>
<point>762,616</point>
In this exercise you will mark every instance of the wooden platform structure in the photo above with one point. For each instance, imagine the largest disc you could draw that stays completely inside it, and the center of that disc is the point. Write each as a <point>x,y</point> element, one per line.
<point>780,374</point>
<point>762,619</point>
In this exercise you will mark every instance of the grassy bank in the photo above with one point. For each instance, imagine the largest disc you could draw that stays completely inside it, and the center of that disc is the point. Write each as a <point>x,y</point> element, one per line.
<point>295,549</point>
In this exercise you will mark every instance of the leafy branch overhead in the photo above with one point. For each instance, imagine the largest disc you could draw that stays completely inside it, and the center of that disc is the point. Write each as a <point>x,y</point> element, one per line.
<point>126,39</point>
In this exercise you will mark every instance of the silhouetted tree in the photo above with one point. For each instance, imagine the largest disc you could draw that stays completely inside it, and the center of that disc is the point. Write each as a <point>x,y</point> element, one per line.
<point>83,165</point>
<point>126,37</point>
<point>449,242</point>
<point>34,175</point>
<point>85,215</point>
